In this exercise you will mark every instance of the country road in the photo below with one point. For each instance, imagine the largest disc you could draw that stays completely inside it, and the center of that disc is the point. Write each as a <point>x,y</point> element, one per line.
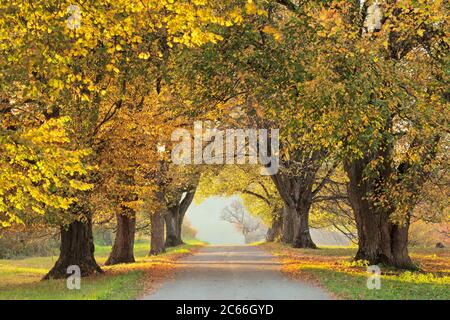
<point>231,273</point>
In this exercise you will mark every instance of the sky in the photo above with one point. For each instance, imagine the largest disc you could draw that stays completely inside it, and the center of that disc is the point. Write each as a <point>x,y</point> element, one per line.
<point>206,219</point>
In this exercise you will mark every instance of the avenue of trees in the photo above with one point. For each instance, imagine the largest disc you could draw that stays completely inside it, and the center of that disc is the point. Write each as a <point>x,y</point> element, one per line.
<point>358,89</point>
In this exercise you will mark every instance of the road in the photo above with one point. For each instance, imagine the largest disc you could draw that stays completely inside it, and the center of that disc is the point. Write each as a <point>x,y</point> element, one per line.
<point>233,273</point>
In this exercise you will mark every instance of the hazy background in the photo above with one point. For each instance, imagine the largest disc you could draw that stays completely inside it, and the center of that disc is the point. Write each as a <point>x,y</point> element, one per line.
<point>206,219</point>
<point>211,228</point>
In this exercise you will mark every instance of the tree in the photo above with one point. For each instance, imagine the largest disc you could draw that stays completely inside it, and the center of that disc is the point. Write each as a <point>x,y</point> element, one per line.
<point>39,170</point>
<point>174,219</point>
<point>122,250</point>
<point>354,88</point>
<point>390,97</point>
<point>257,192</point>
<point>261,77</point>
<point>125,149</point>
<point>157,233</point>
<point>81,69</point>
<point>235,213</point>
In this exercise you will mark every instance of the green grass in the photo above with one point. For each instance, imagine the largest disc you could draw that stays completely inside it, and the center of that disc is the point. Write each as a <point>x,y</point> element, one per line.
<point>20,279</point>
<point>121,286</point>
<point>331,268</point>
<point>354,286</point>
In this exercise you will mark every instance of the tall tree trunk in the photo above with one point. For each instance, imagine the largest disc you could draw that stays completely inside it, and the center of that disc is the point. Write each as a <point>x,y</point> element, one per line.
<point>302,236</point>
<point>174,219</point>
<point>297,195</point>
<point>179,226</point>
<point>171,227</point>
<point>288,226</point>
<point>122,251</point>
<point>157,233</point>
<point>379,240</point>
<point>275,231</point>
<point>77,248</point>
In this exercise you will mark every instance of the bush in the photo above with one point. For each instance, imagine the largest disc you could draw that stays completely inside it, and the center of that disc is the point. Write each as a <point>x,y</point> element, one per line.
<point>187,230</point>
<point>19,242</point>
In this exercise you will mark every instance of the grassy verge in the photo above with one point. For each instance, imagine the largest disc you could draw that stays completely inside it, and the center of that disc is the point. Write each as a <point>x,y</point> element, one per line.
<point>20,279</point>
<point>332,269</point>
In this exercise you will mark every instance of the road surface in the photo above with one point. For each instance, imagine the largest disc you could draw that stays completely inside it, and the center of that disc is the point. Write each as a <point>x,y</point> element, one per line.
<point>233,273</point>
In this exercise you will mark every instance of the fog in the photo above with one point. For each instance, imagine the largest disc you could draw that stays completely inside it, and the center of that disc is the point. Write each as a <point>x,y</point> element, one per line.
<point>211,228</point>
<point>206,219</point>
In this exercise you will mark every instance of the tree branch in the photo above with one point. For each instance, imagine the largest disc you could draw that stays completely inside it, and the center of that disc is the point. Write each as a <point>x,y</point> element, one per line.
<point>257,196</point>
<point>288,4</point>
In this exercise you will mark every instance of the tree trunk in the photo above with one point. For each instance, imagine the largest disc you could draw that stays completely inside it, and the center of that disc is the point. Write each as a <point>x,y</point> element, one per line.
<point>288,227</point>
<point>302,237</point>
<point>379,240</point>
<point>174,219</point>
<point>157,233</point>
<point>296,192</point>
<point>107,239</point>
<point>274,233</point>
<point>179,226</point>
<point>77,248</point>
<point>122,251</point>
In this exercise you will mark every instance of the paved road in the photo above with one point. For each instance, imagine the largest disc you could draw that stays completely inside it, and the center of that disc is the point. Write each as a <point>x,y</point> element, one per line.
<point>231,273</point>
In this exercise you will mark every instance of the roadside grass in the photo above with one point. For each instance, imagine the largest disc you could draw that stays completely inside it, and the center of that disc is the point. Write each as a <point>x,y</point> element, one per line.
<point>20,279</point>
<point>333,269</point>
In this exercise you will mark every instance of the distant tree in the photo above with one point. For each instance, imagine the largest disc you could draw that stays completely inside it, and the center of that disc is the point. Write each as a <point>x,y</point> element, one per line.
<point>236,214</point>
<point>187,230</point>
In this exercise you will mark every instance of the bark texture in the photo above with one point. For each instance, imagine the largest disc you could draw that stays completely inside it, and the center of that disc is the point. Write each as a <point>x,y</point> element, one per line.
<point>77,248</point>
<point>157,233</point>
<point>174,220</point>
<point>379,240</point>
<point>302,236</point>
<point>288,226</point>
<point>297,196</point>
<point>122,251</point>
<point>274,233</point>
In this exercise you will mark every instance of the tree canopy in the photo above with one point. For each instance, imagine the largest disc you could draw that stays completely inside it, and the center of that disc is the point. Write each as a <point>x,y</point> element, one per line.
<point>90,94</point>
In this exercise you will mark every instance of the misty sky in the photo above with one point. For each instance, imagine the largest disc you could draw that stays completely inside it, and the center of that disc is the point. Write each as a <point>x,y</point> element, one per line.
<point>211,228</point>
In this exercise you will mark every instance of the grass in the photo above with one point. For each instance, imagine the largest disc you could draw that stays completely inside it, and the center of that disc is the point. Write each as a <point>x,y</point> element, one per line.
<point>332,269</point>
<point>20,279</point>
<point>329,267</point>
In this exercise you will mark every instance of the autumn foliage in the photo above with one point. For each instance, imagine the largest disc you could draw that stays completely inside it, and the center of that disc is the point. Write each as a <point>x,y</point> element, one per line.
<point>90,94</point>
